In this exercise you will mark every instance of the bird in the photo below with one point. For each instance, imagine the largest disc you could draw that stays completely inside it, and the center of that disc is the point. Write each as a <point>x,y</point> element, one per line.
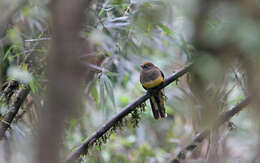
<point>150,78</point>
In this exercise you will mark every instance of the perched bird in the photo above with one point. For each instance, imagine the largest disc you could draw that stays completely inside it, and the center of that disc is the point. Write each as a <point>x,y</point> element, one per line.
<point>150,78</point>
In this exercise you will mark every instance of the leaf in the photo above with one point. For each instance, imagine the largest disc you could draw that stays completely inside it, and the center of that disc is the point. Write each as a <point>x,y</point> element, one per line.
<point>15,56</point>
<point>94,93</point>
<point>165,29</point>
<point>101,12</point>
<point>103,8</point>
<point>149,28</point>
<point>117,2</point>
<point>98,148</point>
<point>112,74</point>
<point>147,4</point>
<point>107,53</point>
<point>32,85</point>
<point>8,52</point>
<point>125,81</point>
<point>102,91</point>
<point>124,100</point>
<point>109,88</point>
<point>14,35</point>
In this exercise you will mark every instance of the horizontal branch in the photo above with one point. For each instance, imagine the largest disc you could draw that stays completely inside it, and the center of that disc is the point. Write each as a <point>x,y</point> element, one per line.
<point>83,148</point>
<point>13,110</point>
<point>224,117</point>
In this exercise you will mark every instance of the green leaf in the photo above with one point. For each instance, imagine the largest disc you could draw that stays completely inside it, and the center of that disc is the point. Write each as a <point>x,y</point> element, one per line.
<point>98,148</point>
<point>116,2</point>
<point>125,6</point>
<point>14,35</point>
<point>124,100</point>
<point>101,12</point>
<point>73,122</point>
<point>32,85</point>
<point>15,56</point>
<point>102,91</point>
<point>8,52</point>
<point>165,29</point>
<point>112,74</point>
<point>107,53</point>
<point>147,4</point>
<point>125,81</point>
<point>109,88</point>
<point>94,93</point>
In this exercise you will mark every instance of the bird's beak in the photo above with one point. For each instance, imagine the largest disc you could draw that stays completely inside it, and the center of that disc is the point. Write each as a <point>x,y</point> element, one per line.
<point>142,65</point>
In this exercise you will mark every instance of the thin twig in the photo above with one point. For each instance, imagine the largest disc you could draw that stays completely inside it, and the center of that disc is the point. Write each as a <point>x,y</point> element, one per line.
<point>13,110</point>
<point>94,67</point>
<point>224,117</point>
<point>83,148</point>
<point>38,39</point>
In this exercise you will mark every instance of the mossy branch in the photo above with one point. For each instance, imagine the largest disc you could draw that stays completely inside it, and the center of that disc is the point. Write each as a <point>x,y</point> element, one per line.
<point>83,148</point>
<point>13,110</point>
<point>8,89</point>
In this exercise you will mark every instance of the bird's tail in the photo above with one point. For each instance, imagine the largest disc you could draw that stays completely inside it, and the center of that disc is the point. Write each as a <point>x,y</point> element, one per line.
<point>157,101</point>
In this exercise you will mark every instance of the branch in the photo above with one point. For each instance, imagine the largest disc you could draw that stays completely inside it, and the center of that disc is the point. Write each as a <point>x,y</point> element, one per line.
<point>83,148</point>
<point>8,90</point>
<point>224,117</point>
<point>13,110</point>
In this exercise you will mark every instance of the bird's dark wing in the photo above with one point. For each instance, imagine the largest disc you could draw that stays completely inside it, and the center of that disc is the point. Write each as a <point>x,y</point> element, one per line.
<point>161,73</point>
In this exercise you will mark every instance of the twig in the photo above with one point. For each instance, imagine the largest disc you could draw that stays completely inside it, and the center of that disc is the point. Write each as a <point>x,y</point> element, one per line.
<point>83,148</point>
<point>94,67</point>
<point>13,110</point>
<point>224,117</point>
<point>38,39</point>
<point>230,127</point>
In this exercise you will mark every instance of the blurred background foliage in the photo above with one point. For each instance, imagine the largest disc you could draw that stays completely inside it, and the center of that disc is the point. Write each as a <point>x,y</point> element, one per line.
<point>119,36</point>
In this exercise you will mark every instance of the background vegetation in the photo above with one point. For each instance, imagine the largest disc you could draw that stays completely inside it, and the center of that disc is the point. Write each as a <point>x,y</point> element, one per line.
<point>90,54</point>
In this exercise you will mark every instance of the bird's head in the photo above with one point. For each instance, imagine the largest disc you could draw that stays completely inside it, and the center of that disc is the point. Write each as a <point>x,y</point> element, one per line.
<point>146,65</point>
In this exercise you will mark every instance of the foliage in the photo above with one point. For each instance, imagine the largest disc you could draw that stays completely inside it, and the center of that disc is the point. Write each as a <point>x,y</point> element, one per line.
<point>126,33</point>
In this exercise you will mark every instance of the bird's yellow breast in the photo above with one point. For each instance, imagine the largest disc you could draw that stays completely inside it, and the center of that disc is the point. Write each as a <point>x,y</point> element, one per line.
<point>153,83</point>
